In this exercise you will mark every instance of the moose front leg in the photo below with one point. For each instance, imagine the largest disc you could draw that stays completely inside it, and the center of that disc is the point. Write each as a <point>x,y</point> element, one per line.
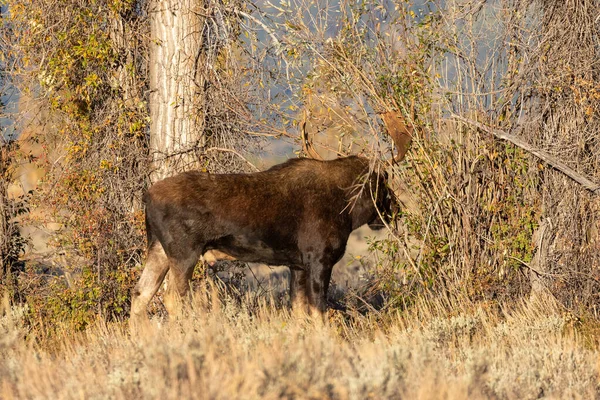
<point>319,255</point>
<point>316,287</point>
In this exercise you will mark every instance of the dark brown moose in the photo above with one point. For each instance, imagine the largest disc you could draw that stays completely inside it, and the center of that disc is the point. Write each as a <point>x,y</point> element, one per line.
<point>299,213</point>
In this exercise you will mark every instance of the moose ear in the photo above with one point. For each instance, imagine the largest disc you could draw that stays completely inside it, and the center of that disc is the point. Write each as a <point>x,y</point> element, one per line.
<point>400,132</point>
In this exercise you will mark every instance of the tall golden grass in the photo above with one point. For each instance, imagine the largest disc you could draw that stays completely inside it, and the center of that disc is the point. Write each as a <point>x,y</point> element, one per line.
<point>224,350</point>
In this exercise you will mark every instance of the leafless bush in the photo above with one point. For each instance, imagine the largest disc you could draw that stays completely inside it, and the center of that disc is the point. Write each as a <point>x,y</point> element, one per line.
<point>557,87</point>
<point>485,219</point>
<point>11,241</point>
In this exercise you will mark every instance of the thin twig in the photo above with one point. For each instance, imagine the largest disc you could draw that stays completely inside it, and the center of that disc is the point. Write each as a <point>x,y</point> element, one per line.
<point>221,149</point>
<point>233,152</point>
<point>529,267</point>
<point>276,42</point>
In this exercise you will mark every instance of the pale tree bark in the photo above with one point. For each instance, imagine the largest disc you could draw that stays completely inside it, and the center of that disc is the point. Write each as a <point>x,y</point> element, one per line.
<point>176,94</point>
<point>543,238</point>
<point>121,38</point>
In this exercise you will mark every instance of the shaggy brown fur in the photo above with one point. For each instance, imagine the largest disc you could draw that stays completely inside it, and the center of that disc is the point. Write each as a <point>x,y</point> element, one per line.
<point>299,213</point>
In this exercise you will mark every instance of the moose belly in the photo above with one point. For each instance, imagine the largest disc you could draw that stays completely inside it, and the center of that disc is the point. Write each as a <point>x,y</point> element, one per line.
<point>249,250</point>
<point>212,256</point>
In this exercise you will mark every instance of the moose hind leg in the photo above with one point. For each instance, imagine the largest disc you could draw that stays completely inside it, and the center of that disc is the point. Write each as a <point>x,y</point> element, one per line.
<point>157,265</point>
<point>178,284</point>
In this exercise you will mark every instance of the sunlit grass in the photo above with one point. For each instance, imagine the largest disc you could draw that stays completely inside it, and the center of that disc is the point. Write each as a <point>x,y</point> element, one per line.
<point>224,350</point>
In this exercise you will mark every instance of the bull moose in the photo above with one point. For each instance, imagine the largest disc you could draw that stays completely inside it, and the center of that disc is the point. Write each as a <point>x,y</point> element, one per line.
<point>299,213</point>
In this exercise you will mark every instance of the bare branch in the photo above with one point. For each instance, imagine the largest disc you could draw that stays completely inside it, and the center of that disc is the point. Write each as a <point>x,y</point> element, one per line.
<point>233,152</point>
<point>276,42</point>
<point>551,160</point>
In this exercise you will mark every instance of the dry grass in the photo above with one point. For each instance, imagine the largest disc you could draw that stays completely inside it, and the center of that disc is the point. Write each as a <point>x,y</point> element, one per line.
<point>228,351</point>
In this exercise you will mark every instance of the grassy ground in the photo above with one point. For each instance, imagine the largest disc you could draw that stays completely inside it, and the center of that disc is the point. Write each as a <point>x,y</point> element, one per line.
<point>224,351</point>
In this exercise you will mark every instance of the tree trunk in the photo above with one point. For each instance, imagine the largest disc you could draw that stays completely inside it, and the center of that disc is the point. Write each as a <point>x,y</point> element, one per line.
<point>175,97</point>
<point>4,237</point>
<point>538,273</point>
